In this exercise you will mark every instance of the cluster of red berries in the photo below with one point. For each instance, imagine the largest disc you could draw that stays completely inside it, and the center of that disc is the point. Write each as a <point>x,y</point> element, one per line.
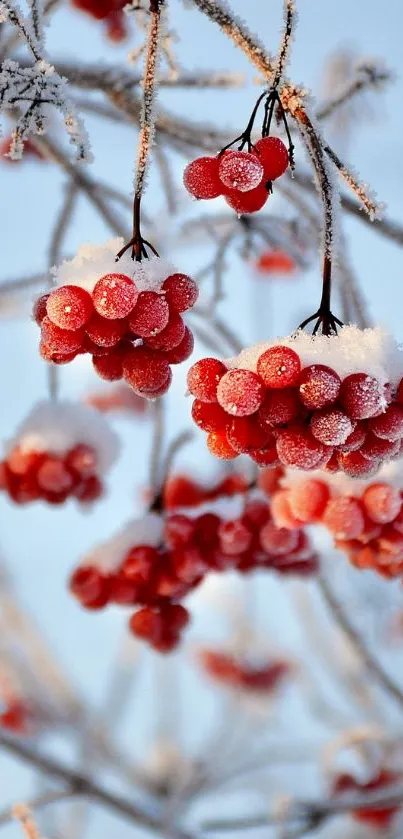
<point>109,11</point>
<point>46,476</point>
<point>156,577</point>
<point>227,669</point>
<point>244,178</point>
<point>368,526</point>
<point>380,818</point>
<point>131,334</point>
<point>304,417</point>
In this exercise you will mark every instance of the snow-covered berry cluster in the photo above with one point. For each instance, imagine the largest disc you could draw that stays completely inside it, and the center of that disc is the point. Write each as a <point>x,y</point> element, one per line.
<point>156,561</point>
<point>364,517</point>
<point>127,315</point>
<point>331,402</point>
<point>233,671</point>
<point>62,450</point>
<point>108,11</point>
<point>244,178</point>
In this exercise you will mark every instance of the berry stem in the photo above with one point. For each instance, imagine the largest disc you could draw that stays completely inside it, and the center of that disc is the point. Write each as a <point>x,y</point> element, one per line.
<point>245,137</point>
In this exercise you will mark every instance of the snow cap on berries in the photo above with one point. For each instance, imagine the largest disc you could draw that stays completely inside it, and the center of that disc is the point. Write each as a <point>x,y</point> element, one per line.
<point>109,555</point>
<point>56,427</point>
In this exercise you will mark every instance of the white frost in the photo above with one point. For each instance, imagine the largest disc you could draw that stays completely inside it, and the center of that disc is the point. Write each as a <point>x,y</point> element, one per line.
<point>110,555</point>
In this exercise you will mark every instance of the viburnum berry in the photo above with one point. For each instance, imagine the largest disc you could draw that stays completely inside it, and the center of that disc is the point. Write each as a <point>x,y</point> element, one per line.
<point>240,170</point>
<point>109,367</point>
<point>344,518</point>
<point>356,465</point>
<point>278,540</point>
<point>69,306</point>
<point>178,531</point>
<point>180,491</point>
<point>362,396</point>
<point>319,386</point>
<point>245,433</point>
<point>388,425</point>
<point>209,415</point>
<point>82,459</point>
<point>281,511</point>
<point>183,351</point>
<point>297,447</point>
<point>331,426</point>
<point>88,489</point>
<point>150,314</point>
<point>235,537</point>
<point>39,310</point>
<point>265,457</point>
<point>240,392</point>
<point>155,393</point>
<point>114,296</point>
<point>201,178</point>
<point>145,370</point>
<point>273,156</point>
<point>376,448</point>
<point>104,332</point>
<point>355,439</point>
<point>308,500</point>
<point>47,354</point>
<point>247,202</point>
<point>91,587</point>
<point>382,502</point>
<point>279,407</point>
<point>279,367</point>
<point>218,445</point>
<point>169,337</point>
<point>58,340</point>
<point>380,817</point>
<point>181,292</point>
<point>203,378</point>
<point>53,476</point>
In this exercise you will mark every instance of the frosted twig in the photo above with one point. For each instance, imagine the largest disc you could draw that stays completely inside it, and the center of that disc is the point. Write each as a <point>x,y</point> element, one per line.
<point>371,663</point>
<point>14,16</point>
<point>36,17</point>
<point>368,75</point>
<point>290,14</point>
<point>149,92</point>
<point>361,190</point>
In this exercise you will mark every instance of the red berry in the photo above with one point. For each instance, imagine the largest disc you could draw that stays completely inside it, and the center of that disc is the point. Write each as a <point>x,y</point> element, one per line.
<point>278,540</point>
<point>183,351</point>
<point>39,308</point>
<point>56,358</point>
<point>245,433</point>
<point>319,386</point>
<point>234,536</point>
<point>218,445</point>
<point>354,440</point>
<point>145,370</point>
<point>374,448</point>
<point>69,306</point>
<point>159,391</point>
<point>281,511</point>
<point>382,502</point>
<point>181,292</point>
<point>82,459</point>
<point>104,332</point>
<point>357,466</point>
<point>240,392</point>
<point>90,586</point>
<point>240,170</point>
<point>265,457</point>
<point>110,367</point>
<point>63,341</point>
<point>209,415</point>
<point>247,202</point>
<point>114,296</point>
<point>53,476</point>
<point>180,491</point>
<point>331,426</point>
<point>88,490</point>
<point>150,314</point>
<point>201,178</point>
<point>178,531</point>
<point>171,336</point>
<point>203,378</point>
<point>279,367</point>
<point>344,518</point>
<point>297,447</point>
<point>362,396</point>
<point>273,156</point>
<point>308,500</point>
<point>388,425</point>
<point>278,408</point>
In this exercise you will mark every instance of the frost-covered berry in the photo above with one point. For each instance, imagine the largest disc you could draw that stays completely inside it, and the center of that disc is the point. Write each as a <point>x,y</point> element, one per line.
<point>279,367</point>
<point>331,426</point>
<point>376,448</point>
<point>279,407</point>
<point>82,459</point>
<point>319,386</point>
<point>388,425</point>
<point>105,332</point>
<point>240,392</point>
<point>356,465</point>
<point>181,292</point>
<point>282,512</point>
<point>240,170</point>
<point>278,540</point>
<point>53,476</point>
<point>265,457</point>
<point>69,306</point>
<point>362,396</point>
<point>308,500</point>
<point>297,447</point>
<point>218,445</point>
<point>247,202</point>
<point>245,434</point>
<point>209,416</point>
<point>169,337</point>
<point>145,370</point>
<point>203,378</point>
<point>39,310</point>
<point>109,367</point>
<point>150,314</point>
<point>344,518</point>
<point>382,502</point>
<point>58,340</point>
<point>234,536</point>
<point>273,156</point>
<point>182,351</point>
<point>354,440</point>
<point>91,587</point>
<point>201,178</point>
<point>114,296</point>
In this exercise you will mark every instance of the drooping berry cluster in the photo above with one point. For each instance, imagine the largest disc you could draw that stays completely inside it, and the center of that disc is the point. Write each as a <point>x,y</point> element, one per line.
<point>244,178</point>
<point>126,315</point>
<point>110,12</point>
<point>365,518</point>
<point>279,403</point>
<point>155,562</point>
<point>232,671</point>
<point>380,818</point>
<point>61,451</point>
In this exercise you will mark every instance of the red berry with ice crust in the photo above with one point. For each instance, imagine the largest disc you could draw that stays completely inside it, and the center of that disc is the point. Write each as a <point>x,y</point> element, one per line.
<point>240,170</point>
<point>279,367</point>
<point>114,296</point>
<point>240,392</point>
<point>201,178</point>
<point>273,156</point>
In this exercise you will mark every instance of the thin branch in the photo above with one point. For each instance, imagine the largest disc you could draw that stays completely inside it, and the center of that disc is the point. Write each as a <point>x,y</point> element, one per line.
<point>149,92</point>
<point>361,190</point>
<point>49,797</point>
<point>16,19</point>
<point>368,76</point>
<point>62,223</point>
<point>36,16</point>
<point>157,445</point>
<point>371,663</point>
<point>290,14</point>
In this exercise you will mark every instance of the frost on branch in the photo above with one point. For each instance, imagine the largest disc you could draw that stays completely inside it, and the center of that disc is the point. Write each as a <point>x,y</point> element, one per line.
<point>32,92</point>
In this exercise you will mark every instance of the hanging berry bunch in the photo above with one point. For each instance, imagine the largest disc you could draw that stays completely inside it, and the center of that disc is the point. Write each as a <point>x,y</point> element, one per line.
<point>110,12</point>
<point>245,175</point>
<point>306,401</point>
<point>62,450</point>
<point>129,319</point>
<point>156,561</point>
